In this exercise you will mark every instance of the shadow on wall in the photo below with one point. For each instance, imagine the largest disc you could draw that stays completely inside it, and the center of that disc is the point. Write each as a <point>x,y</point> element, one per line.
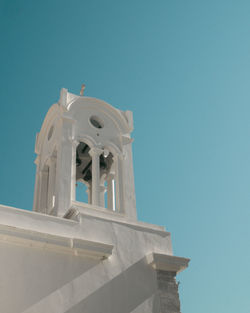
<point>30,275</point>
<point>124,293</point>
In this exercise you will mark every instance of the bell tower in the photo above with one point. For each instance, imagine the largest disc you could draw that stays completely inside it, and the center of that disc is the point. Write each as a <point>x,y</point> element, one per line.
<point>91,255</point>
<point>85,140</point>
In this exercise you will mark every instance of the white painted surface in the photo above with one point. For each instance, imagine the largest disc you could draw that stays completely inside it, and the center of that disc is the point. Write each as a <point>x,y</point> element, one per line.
<point>43,280</point>
<point>68,123</point>
<point>73,257</point>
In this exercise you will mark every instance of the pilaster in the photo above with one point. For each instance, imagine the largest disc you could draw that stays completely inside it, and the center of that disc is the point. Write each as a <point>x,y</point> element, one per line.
<point>37,185</point>
<point>111,192</point>
<point>119,188</point>
<point>65,173</point>
<point>51,183</point>
<point>43,194</point>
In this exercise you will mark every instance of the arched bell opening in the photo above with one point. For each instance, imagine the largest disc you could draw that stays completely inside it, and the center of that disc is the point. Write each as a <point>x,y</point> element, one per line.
<point>83,173</point>
<point>97,190</point>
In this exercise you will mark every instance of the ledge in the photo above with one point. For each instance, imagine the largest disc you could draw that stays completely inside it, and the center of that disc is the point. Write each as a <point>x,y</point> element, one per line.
<point>60,244</point>
<point>167,263</point>
<point>85,210</point>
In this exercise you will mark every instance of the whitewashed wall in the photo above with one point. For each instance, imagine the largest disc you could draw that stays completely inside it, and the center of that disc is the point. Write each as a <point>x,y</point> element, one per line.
<point>37,276</point>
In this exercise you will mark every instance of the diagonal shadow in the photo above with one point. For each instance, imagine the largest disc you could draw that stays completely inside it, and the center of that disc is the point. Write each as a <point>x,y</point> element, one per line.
<point>122,294</point>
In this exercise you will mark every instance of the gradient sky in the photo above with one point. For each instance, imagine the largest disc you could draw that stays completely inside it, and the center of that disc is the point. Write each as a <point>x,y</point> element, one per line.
<point>183,68</point>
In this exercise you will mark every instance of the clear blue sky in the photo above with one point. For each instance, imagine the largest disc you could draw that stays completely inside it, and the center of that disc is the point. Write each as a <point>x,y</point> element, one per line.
<point>183,68</point>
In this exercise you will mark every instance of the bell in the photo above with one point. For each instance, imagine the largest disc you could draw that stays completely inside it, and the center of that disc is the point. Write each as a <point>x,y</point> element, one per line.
<point>103,164</point>
<point>88,176</point>
<point>78,160</point>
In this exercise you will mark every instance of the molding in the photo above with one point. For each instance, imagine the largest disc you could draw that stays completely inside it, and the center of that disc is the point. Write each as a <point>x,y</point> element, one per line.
<point>115,114</point>
<point>75,246</point>
<point>126,139</point>
<point>89,210</point>
<point>49,119</point>
<point>167,263</point>
<point>68,119</point>
<point>95,151</point>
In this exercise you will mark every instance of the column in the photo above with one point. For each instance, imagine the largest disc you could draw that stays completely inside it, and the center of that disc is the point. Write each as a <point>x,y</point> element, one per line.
<point>51,186</point>
<point>102,195</point>
<point>37,186</point>
<point>89,193</point>
<point>95,154</point>
<point>128,183</point>
<point>74,143</point>
<point>111,191</point>
<point>65,168</point>
<point>43,190</point>
<point>119,192</point>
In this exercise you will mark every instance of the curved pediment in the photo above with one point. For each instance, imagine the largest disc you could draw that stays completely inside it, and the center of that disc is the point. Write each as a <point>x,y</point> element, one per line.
<point>76,103</point>
<point>87,111</point>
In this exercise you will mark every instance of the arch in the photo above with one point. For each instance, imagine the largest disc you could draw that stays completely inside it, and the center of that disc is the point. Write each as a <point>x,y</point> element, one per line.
<point>117,116</point>
<point>50,117</point>
<point>90,141</point>
<point>105,181</point>
<point>112,148</point>
<point>70,120</point>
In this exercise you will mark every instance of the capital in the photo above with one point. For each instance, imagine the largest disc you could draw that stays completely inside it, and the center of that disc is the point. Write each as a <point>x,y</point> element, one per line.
<point>102,189</point>
<point>110,176</point>
<point>95,151</point>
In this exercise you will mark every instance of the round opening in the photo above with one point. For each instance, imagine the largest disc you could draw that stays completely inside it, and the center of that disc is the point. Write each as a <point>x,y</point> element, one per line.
<point>50,133</point>
<point>96,122</point>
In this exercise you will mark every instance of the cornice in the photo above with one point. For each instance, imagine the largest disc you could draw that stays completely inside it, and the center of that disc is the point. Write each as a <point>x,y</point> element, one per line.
<point>34,239</point>
<point>167,263</point>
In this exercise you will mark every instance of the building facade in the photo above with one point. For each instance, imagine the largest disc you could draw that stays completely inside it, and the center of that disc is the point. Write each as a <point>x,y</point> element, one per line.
<point>82,248</point>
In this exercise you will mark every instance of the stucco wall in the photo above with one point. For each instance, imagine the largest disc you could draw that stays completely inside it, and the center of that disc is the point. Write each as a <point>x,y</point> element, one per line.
<point>30,274</point>
<point>36,279</point>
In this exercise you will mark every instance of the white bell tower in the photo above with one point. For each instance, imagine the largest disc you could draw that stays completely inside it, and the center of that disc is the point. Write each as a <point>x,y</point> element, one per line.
<point>85,140</point>
<point>93,255</point>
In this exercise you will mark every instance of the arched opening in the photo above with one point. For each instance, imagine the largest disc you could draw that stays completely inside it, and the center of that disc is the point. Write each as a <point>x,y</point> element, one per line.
<point>107,181</point>
<point>105,178</point>
<point>83,173</point>
<point>81,191</point>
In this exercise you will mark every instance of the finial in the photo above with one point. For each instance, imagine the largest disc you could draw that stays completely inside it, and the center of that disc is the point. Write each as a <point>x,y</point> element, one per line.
<point>82,90</point>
